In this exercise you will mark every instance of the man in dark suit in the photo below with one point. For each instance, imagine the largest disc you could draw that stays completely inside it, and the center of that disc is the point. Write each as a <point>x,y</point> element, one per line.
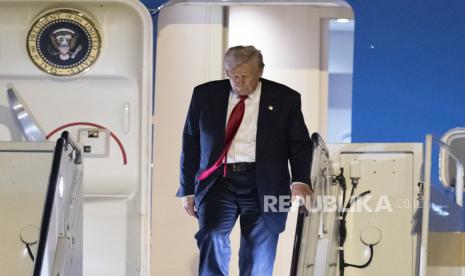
<point>239,139</point>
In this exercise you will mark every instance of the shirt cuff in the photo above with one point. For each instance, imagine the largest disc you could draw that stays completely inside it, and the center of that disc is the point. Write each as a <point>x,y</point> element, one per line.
<point>184,198</point>
<point>301,183</point>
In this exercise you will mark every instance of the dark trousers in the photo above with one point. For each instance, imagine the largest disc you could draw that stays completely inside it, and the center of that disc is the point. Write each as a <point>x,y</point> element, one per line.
<point>227,199</point>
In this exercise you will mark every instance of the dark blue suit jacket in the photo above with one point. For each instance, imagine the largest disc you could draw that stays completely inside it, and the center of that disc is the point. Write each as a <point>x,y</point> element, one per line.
<point>282,139</point>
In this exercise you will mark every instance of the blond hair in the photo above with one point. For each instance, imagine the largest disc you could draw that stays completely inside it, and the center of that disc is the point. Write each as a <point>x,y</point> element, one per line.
<point>239,55</point>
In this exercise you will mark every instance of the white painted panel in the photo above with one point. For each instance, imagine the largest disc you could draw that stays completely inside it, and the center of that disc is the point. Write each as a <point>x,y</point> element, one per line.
<point>105,234</point>
<point>391,172</point>
<point>121,76</point>
<point>24,173</point>
<point>389,207</point>
<point>189,52</point>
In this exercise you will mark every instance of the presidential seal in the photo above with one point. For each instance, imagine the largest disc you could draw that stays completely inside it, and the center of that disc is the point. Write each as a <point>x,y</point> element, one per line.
<point>63,42</point>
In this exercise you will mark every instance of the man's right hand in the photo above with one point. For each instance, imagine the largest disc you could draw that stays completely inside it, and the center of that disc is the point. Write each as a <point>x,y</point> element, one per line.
<point>188,204</point>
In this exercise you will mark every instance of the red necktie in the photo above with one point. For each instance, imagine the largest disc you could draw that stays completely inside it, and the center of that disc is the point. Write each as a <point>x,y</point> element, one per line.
<point>234,122</point>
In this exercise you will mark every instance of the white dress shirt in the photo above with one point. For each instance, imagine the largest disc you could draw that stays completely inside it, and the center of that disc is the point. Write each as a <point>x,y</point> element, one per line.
<point>243,145</point>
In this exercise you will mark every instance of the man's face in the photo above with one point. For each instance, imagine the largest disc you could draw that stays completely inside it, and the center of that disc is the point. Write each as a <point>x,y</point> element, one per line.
<point>244,78</point>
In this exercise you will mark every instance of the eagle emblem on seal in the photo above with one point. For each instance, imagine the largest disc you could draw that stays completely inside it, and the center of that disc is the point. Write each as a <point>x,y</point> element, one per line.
<point>64,44</point>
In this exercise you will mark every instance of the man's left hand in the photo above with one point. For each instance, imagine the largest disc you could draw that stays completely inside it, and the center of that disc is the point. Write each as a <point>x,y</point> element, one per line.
<point>304,193</point>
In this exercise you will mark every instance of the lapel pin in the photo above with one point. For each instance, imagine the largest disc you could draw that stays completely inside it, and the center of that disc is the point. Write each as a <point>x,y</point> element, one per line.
<point>270,107</point>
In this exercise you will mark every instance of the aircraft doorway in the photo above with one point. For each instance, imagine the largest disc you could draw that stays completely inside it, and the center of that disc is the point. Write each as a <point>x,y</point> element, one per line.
<point>192,37</point>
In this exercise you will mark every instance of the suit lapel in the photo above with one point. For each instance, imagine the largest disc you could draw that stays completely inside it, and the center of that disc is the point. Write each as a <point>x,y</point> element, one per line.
<point>265,110</point>
<point>220,105</point>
